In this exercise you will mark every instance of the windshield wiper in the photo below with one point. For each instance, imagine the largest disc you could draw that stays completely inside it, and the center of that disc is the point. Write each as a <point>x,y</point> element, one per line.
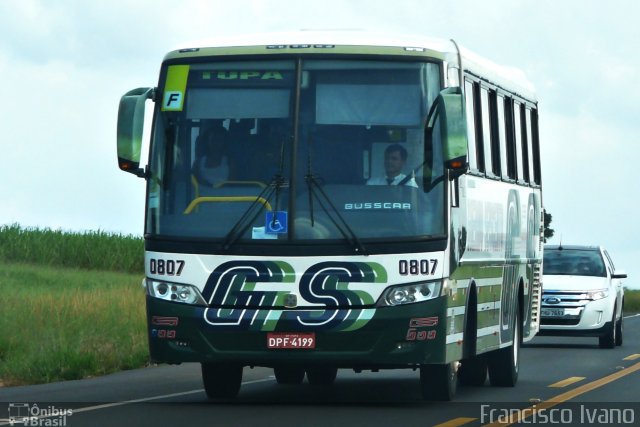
<point>274,186</point>
<point>240,227</point>
<point>312,183</point>
<point>347,232</point>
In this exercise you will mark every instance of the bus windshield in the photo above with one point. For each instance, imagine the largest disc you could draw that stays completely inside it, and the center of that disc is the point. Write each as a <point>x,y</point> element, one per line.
<point>293,150</point>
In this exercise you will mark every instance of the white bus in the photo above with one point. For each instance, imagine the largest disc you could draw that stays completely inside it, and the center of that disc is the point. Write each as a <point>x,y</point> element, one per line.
<point>319,201</point>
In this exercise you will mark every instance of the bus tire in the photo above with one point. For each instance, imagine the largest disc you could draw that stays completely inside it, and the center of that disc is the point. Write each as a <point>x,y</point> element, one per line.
<point>504,364</point>
<point>322,375</point>
<point>289,375</point>
<point>438,382</point>
<point>221,380</point>
<point>473,371</point>
<point>473,368</point>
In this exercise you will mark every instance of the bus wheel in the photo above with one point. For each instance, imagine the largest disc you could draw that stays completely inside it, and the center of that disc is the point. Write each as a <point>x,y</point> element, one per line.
<point>438,382</point>
<point>288,374</point>
<point>221,380</point>
<point>473,371</point>
<point>322,375</point>
<point>504,364</point>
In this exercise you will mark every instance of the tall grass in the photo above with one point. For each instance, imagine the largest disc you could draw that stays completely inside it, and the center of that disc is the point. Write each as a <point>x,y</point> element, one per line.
<point>94,250</point>
<point>632,301</point>
<point>71,304</point>
<point>61,324</point>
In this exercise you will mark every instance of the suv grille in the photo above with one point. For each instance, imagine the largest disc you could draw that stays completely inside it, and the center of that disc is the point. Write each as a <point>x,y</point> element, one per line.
<point>570,303</point>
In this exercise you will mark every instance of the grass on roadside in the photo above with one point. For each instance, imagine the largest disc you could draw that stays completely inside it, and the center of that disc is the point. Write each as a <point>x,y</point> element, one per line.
<point>632,301</point>
<point>93,250</point>
<point>63,323</point>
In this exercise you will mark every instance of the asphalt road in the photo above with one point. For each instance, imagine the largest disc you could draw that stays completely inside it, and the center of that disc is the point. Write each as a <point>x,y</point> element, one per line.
<point>567,381</point>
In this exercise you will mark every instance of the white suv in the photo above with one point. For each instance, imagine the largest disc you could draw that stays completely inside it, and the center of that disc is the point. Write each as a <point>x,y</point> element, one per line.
<point>582,294</point>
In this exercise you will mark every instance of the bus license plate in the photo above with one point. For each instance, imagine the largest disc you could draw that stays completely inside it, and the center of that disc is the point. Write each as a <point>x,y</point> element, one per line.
<point>552,312</point>
<point>304,340</point>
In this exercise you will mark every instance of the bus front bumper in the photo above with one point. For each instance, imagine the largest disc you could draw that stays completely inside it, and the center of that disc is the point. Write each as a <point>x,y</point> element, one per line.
<point>394,337</point>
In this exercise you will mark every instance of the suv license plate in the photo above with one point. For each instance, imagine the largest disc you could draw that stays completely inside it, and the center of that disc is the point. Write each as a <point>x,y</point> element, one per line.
<point>552,312</point>
<point>303,340</point>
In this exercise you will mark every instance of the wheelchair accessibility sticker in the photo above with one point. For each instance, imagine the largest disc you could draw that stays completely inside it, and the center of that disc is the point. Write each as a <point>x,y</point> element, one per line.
<point>276,222</point>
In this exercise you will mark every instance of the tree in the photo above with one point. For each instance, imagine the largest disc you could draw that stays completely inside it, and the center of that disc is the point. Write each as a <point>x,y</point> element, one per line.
<point>548,232</point>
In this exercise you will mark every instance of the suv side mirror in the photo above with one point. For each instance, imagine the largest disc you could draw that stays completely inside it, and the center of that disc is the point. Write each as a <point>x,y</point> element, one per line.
<point>620,274</point>
<point>130,126</point>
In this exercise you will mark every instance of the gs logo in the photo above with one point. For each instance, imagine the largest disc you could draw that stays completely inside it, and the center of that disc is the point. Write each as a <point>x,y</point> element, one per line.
<point>231,290</point>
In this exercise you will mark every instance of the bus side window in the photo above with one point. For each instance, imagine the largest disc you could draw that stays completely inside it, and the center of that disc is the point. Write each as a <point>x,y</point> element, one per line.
<point>529,145</point>
<point>512,155</point>
<point>502,134</point>
<point>526,161</point>
<point>489,136</point>
<point>534,146</point>
<point>496,149</point>
<point>471,125</point>
<point>517,131</point>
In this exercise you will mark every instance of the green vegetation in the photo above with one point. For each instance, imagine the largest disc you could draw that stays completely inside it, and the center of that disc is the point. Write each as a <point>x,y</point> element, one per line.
<point>94,250</point>
<point>64,314</point>
<point>631,301</point>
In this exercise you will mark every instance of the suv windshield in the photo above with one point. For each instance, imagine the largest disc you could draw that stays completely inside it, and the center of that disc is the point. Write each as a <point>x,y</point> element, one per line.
<point>296,150</point>
<point>577,262</point>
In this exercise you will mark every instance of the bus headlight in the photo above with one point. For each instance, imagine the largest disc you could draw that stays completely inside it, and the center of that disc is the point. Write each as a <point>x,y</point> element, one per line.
<point>174,292</point>
<point>409,294</point>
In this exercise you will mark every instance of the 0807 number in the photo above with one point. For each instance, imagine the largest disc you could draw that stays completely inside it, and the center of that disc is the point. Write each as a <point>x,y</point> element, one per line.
<point>417,267</point>
<point>168,267</point>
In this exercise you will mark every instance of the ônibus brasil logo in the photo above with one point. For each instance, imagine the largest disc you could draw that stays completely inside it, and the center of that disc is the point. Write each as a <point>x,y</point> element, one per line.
<point>34,415</point>
<point>233,285</point>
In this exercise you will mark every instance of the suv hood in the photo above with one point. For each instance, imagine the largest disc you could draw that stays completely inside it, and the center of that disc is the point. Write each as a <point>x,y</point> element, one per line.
<point>574,283</point>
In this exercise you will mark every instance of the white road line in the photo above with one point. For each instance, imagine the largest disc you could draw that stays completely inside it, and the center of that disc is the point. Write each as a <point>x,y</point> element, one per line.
<point>143,399</point>
<point>633,315</point>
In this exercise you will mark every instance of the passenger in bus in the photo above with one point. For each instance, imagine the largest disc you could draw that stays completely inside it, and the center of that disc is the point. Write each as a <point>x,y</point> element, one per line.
<point>211,166</point>
<point>395,159</point>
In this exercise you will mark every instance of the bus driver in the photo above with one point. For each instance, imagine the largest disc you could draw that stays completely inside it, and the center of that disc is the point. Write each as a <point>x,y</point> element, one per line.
<point>395,158</point>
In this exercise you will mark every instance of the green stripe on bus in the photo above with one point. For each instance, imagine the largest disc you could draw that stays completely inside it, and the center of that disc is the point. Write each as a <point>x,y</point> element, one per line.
<point>489,341</point>
<point>454,351</point>
<point>477,271</point>
<point>489,293</point>
<point>488,318</point>
<point>458,324</point>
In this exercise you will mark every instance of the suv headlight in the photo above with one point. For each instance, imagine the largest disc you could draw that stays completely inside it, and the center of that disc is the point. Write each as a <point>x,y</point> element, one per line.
<point>174,292</point>
<point>409,294</point>
<point>599,294</point>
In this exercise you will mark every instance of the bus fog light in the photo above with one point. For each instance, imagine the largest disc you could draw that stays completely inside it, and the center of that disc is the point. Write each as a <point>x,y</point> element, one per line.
<point>162,289</point>
<point>186,294</point>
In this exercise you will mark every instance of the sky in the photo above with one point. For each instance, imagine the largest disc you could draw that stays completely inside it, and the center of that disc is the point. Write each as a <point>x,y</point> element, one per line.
<point>65,63</point>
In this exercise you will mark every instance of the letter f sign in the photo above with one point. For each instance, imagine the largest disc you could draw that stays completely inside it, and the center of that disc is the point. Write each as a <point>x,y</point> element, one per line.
<point>172,101</point>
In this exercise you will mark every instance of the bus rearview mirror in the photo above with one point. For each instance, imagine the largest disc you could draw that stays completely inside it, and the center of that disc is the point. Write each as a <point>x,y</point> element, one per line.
<point>130,127</point>
<point>453,128</point>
